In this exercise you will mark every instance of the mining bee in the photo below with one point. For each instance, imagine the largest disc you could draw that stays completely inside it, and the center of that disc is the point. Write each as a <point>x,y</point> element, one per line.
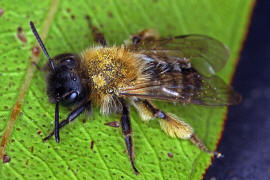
<point>179,69</point>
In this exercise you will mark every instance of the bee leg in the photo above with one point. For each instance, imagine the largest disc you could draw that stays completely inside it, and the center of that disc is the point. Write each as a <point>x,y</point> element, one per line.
<point>73,115</point>
<point>127,132</point>
<point>170,123</point>
<point>36,65</point>
<point>144,35</point>
<point>56,122</point>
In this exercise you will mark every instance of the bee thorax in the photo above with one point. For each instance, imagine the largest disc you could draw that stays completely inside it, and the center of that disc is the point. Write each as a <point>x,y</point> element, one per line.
<point>110,69</point>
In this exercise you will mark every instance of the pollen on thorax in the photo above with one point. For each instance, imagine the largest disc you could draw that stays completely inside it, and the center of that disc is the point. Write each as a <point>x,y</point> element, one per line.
<point>98,80</point>
<point>111,68</point>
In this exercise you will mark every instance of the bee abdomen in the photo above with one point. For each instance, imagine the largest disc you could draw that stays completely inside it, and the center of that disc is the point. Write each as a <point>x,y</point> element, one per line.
<point>192,82</point>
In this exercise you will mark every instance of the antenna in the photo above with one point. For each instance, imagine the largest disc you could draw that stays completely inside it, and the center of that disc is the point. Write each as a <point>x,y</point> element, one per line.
<point>34,30</point>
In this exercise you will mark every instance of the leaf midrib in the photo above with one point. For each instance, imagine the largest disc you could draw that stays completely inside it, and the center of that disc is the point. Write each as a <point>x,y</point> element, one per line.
<point>27,80</point>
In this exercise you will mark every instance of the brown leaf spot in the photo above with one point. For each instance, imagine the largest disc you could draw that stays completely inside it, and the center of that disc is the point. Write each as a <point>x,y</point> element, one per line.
<point>31,149</point>
<point>115,124</point>
<point>35,51</point>
<point>92,145</point>
<point>110,14</point>
<point>97,35</point>
<point>170,154</point>
<point>20,35</point>
<point>6,159</point>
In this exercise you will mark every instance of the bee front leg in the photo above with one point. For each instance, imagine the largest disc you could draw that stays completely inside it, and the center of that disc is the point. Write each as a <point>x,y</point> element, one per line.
<point>170,124</point>
<point>127,132</point>
<point>73,115</point>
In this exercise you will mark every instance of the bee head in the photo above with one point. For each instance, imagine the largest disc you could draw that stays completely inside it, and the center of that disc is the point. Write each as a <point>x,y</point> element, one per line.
<point>65,77</point>
<point>64,83</point>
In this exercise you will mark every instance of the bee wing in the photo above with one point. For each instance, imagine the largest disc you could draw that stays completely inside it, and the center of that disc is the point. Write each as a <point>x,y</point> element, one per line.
<point>173,79</point>
<point>185,88</point>
<point>207,55</point>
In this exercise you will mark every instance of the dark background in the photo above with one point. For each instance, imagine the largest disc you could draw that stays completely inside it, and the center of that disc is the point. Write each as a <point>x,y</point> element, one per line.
<point>246,139</point>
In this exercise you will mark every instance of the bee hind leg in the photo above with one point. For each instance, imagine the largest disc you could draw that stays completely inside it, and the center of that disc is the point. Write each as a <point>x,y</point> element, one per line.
<point>127,133</point>
<point>196,140</point>
<point>170,124</point>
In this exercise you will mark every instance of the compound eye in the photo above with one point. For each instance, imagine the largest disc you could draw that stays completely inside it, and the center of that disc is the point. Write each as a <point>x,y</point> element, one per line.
<point>70,98</point>
<point>70,62</point>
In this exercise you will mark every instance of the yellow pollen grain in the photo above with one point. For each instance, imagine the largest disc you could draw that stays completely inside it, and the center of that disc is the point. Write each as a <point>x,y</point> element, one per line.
<point>104,59</point>
<point>98,80</point>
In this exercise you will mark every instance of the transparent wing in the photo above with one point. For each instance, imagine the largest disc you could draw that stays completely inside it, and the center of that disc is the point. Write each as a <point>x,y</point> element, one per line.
<point>182,69</point>
<point>185,88</point>
<point>207,55</point>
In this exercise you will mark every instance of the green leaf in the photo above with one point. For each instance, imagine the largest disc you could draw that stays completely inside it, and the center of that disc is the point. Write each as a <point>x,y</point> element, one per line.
<point>64,28</point>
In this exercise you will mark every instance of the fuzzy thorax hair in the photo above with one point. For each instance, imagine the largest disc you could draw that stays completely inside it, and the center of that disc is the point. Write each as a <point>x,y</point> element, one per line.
<point>109,70</point>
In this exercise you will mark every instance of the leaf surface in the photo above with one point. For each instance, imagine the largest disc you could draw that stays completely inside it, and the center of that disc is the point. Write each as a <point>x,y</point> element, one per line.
<point>64,28</point>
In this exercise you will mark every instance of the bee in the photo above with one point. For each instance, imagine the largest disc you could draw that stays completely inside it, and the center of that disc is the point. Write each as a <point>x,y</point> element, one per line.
<point>180,69</point>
